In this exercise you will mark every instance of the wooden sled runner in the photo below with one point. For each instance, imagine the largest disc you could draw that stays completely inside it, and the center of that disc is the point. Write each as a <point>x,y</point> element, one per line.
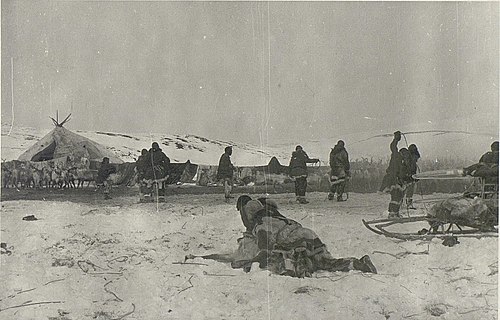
<point>379,227</point>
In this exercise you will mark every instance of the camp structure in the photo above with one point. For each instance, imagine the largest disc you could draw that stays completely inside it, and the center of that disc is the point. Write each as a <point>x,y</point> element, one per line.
<point>61,142</point>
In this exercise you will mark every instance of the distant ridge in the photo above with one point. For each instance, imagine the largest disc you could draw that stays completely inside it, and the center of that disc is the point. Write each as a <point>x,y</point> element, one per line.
<point>433,144</point>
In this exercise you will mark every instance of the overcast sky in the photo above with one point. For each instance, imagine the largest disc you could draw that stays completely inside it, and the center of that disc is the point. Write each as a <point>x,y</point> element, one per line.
<point>253,71</point>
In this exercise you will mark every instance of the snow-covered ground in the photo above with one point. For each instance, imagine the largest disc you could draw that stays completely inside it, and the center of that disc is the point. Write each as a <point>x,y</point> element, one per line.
<point>103,260</point>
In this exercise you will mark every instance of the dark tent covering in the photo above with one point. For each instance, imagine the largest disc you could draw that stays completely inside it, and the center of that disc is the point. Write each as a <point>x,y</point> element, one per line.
<point>275,167</point>
<point>181,172</point>
<point>45,154</point>
<point>178,172</point>
<point>127,174</point>
<point>189,172</point>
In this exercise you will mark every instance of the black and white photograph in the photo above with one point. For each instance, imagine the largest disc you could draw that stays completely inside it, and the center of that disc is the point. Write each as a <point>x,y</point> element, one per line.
<point>249,160</point>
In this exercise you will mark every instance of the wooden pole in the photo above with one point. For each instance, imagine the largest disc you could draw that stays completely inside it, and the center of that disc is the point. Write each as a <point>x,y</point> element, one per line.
<point>12,92</point>
<point>50,95</point>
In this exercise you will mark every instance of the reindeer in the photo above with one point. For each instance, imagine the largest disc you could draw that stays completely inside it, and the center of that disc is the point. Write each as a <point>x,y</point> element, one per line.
<point>6,176</point>
<point>14,177</point>
<point>37,178</point>
<point>25,175</point>
<point>83,176</point>
<point>69,178</point>
<point>57,179</point>
<point>46,177</point>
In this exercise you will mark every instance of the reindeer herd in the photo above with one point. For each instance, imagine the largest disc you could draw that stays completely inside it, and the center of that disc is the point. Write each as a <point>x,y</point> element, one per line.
<point>24,174</point>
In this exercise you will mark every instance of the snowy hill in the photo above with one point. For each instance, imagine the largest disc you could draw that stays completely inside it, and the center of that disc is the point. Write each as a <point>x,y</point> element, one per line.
<point>180,148</point>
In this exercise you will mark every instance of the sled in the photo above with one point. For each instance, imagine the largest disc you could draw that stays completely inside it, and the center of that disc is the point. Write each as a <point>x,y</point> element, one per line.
<point>449,217</point>
<point>441,229</point>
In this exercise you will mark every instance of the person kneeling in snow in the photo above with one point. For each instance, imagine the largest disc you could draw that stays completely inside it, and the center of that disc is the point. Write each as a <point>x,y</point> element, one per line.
<point>282,245</point>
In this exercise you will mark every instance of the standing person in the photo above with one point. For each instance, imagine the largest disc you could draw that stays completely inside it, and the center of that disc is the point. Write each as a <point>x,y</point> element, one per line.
<point>390,172</point>
<point>141,166</point>
<point>105,170</point>
<point>298,172</point>
<point>397,176</point>
<point>225,172</point>
<point>158,170</point>
<point>158,162</point>
<point>340,170</point>
<point>410,190</point>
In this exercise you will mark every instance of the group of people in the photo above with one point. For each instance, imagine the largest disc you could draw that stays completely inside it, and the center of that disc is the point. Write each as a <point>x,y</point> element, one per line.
<point>277,243</point>
<point>152,171</point>
<point>399,181</point>
<point>153,163</point>
<point>339,163</point>
<point>285,247</point>
<point>152,166</point>
<point>282,245</point>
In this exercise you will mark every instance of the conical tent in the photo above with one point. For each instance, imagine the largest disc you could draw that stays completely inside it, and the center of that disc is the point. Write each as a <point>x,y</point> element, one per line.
<point>61,142</point>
